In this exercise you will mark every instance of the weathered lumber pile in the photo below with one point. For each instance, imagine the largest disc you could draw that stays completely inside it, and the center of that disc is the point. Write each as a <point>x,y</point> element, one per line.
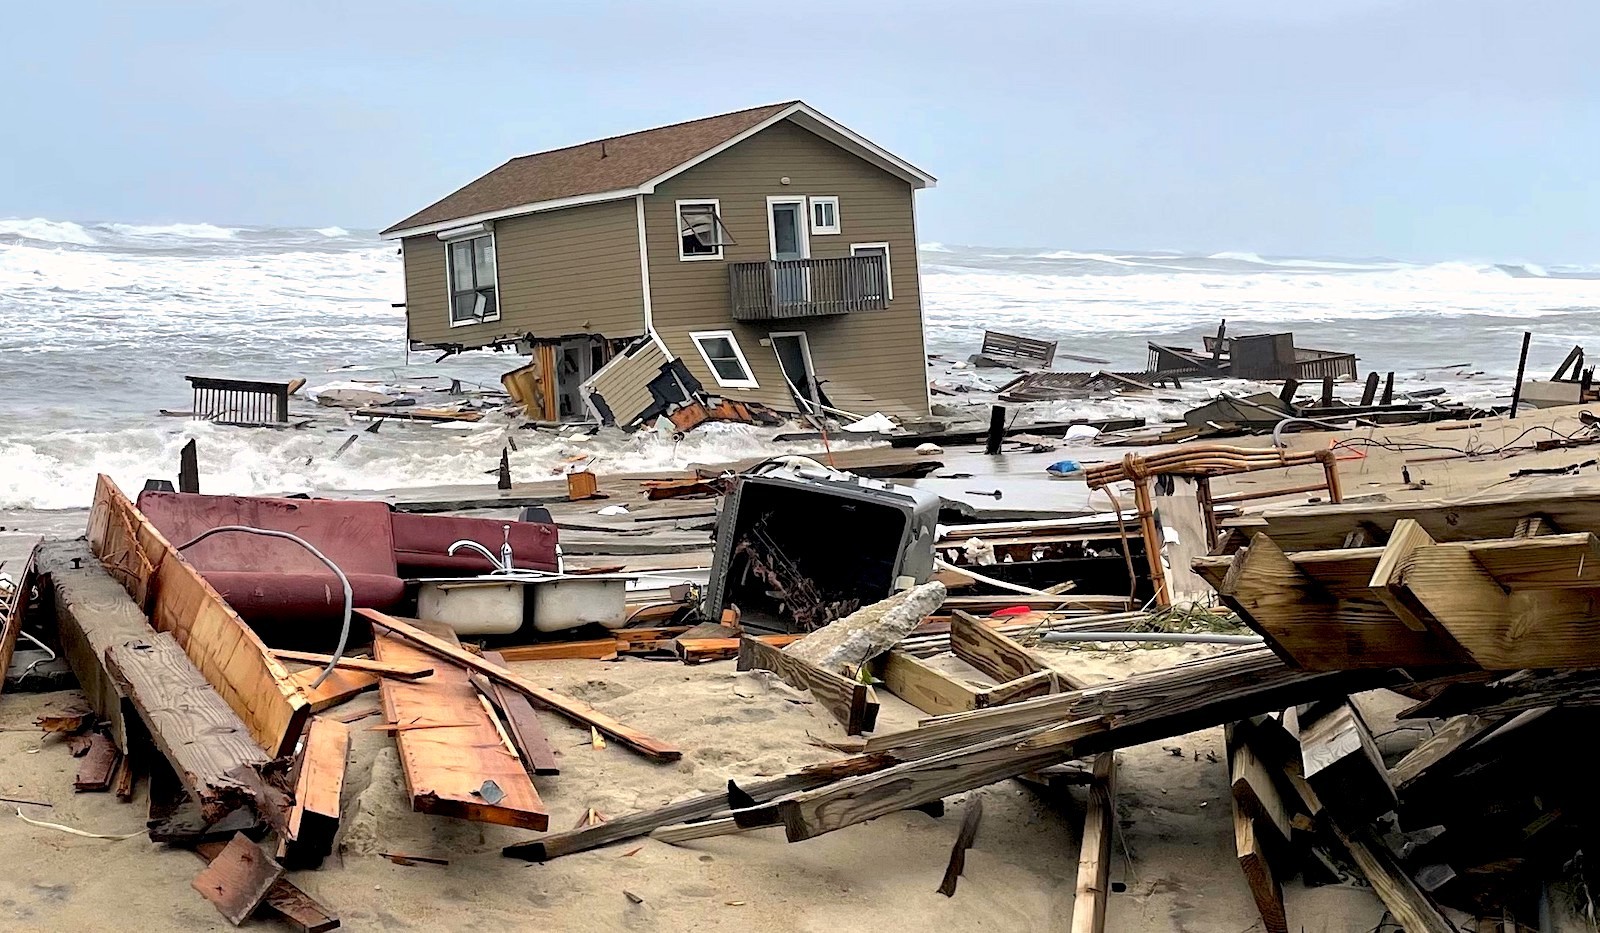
<point>1487,605</point>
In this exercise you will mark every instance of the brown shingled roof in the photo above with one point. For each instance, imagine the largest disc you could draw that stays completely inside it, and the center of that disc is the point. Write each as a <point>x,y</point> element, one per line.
<point>630,160</point>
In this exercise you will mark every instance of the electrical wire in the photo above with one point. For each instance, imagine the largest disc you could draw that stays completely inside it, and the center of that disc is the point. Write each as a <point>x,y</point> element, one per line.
<point>344,581</point>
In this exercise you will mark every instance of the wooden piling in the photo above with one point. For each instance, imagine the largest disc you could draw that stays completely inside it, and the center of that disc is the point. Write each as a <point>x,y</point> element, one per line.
<point>189,468</point>
<point>997,430</point>
<point>1388,390</point>
<point>1371,391</point>
<point>1522,366</point>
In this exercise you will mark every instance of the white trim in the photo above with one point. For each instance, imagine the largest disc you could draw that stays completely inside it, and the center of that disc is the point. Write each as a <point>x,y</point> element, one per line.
<point>811,215</point>
<point>809,119</point>
<point>677,217</point>
<point>802,229</point>
<point>533,208</point>
<point>449,286</point>
<point>644,279</point>
<point>888,267</point>
<point>750,383</point>
<point>922,321</point>
<point>811,364</point>
<point>471,230</point>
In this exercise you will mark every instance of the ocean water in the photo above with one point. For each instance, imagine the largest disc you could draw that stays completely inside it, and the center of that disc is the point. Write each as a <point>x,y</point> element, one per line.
<point>100,322</point>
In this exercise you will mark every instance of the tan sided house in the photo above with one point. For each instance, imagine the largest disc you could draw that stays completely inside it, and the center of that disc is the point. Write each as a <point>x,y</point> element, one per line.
<point>767,255</point>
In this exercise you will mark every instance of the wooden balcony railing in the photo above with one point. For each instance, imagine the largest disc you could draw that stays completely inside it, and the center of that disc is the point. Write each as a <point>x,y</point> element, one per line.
<point>791,288</point>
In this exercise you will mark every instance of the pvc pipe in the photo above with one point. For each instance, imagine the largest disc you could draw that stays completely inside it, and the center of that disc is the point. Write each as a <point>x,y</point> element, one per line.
<point>1182,638</point>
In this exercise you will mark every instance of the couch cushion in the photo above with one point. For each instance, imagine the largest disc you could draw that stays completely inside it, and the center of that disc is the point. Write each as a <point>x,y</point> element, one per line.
<point>421,542</point>
<point>354,535</point>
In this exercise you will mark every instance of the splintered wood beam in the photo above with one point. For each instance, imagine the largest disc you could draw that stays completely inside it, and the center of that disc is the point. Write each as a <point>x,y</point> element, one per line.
<point>341,685</point>
<point>996,655</point>
<point>850,702</point>
<point>1038,684</point>
<point>924,686</point>
<point>208,746</point>
<point>354,664</point>
<point>449,770</point>
<point>527,733</point>
<point>1500,630</point>
<point>573,709</point>
<point>1094,850</point>
<point>238,880</point>
<point>93,612</point>
<point>1258,873</point>
<point>693,809</point>
<point>1314,628</point>
<point>318,792</point>
<point>1457,735</point>
<point>1342,762</point>
<point>180,602</point>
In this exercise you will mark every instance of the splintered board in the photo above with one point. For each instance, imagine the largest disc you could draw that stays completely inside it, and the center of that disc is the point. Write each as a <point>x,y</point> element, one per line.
<point>11,610</point>
<point>181,603</point>
<point>447,766</point>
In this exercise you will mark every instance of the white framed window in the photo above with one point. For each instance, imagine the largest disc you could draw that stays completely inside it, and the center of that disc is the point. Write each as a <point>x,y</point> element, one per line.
<point>473,279</point>
<point>877,249</point>
<point>701,234</point>
<point>825,215</point>
<point>720,350</point>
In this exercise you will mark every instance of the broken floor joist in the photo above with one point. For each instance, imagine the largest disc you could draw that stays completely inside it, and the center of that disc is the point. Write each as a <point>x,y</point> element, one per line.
<point>850,702</point>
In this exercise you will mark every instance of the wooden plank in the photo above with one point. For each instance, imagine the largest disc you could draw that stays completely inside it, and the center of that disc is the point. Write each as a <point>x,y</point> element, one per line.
<point>1341,761</point>
<point>181,603</point>
<point>693,809</point>
<point>527,733</point>
<point>997,655</point>
<point>98,766</point>
<point>208,746</point>
<point>452,748</point>
<point>291,905</point>
<point>1254,792</point>
<point>1404,540</point>
<point>318,792</point>
<point>923,686</point>
<point>1094,851</point>
<point>958,852</point>
<point>238,879</point>
<point>1041,684</point>
<point>1555,561</point>
<point>340,686</point>
<point>573,709</point>
<point>93,612</point>
<point>596,649</point>
<point>1316,629</point>
<point>1258,874</point>
<point>1457,735</point>
<point>846,699</point>
<point>695,650</point>
<point>702,829</point>
<point>11,612</point>
<point>353,664</point>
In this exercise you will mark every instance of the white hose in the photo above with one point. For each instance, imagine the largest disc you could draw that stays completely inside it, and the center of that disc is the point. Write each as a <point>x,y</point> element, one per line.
<point>943,564</point>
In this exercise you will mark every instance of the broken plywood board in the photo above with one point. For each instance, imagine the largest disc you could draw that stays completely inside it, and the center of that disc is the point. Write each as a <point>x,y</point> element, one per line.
<point>180,602</point>
<point>452,750</point>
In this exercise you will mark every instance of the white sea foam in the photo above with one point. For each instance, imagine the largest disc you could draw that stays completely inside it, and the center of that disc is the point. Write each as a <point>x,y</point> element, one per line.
<point>333,231</point>
<point>47,231</point>
<point>181,231</point>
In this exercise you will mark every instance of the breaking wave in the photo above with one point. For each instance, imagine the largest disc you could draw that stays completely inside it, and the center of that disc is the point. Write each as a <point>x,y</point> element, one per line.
<point>46,231</point>
<point>183,231</point>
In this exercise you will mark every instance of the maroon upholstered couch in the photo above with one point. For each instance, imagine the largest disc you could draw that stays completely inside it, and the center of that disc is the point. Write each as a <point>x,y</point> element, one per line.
<point>421,543</point>
<point>274,581</point>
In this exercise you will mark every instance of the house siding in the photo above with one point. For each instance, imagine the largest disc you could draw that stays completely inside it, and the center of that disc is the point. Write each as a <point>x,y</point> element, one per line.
<point>869,360</point>
<point>562,273</point>
<point>624,383</point>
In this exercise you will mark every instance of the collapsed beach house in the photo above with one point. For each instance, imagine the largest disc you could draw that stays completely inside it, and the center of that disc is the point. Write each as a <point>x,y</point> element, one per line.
<point>764,256</point>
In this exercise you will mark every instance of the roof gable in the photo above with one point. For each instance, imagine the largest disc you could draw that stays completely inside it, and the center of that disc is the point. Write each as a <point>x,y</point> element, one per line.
<point>622,166</point>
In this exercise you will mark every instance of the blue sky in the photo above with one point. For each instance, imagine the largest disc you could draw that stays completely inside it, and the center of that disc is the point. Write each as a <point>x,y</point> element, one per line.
<point>1420,130</point>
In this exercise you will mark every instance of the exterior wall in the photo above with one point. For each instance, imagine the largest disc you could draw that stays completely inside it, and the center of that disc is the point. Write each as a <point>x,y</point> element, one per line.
<point>870,360</point>
<point>624,382</point>
<point>561,273</point>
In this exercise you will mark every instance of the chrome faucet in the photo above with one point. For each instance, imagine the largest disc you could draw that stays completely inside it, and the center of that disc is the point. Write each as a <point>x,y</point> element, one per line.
<point>503,565</point>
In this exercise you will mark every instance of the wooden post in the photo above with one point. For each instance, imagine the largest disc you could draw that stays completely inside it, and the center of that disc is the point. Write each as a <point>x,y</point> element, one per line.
<point>1208,514</point>
<point>1371,391</point>
<point>1216,351</point>
<point>504,482</point>
<point>1522,366</point>
<point>1290,387</point>
<point>997,430</point>
<point>1150,530</point>
<point>189,468</point>
<point>1094,849</point>
<point>1388,390</point>
<point>1327,391</point>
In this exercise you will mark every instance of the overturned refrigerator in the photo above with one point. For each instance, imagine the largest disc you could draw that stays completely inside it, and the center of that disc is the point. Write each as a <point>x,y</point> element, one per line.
<point>798,548</point>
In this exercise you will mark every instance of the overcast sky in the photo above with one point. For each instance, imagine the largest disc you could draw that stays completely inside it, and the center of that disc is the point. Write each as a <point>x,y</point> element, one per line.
<point>1430,129</point>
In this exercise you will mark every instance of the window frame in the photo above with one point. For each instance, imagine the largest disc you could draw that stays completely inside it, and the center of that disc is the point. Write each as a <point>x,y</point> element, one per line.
<point>888,266</point>
<point>450,275</point>
<point>811,215</point>
<point>696,336</point>
<point>677,219</point>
